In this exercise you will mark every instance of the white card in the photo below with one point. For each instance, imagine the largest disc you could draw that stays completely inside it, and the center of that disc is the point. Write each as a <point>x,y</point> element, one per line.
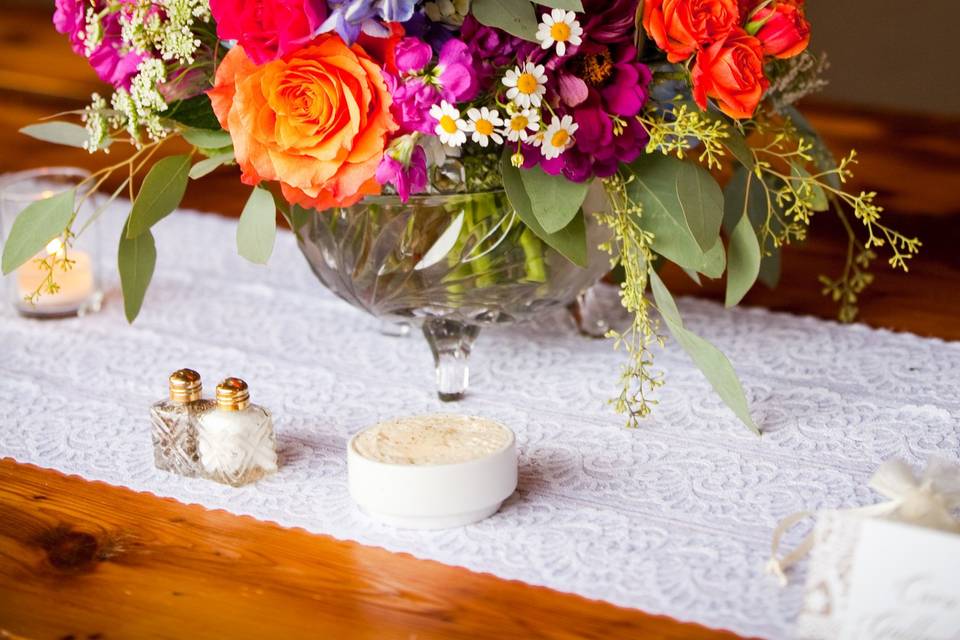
<point>905,584</point>
<point>877,579</point>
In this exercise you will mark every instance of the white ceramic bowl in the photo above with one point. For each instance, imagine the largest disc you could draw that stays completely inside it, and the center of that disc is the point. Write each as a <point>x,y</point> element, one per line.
<point>432,496</point>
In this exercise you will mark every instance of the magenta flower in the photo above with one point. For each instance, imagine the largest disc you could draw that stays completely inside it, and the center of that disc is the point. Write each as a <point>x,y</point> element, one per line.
<point>406,178</point>
<point>110,60</point>
<point>411,104</point>
<point>268,29</point>
<point>455,73</point>
<point>413,55</point>
<point>419,87</point>
<point>603,86</point>
<point>493,49</point>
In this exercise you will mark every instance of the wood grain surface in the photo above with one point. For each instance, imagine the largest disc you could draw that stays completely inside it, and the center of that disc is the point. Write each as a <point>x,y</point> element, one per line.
<point>86,560</point>
<point>82,560</point>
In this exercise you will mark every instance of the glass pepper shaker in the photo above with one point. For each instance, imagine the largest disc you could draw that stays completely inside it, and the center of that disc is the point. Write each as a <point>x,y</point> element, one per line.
<point>236,441</point>
<point>174,424</point>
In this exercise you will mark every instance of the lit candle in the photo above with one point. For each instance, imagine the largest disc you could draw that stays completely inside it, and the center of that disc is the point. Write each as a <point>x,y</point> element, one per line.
<point>76,284</point>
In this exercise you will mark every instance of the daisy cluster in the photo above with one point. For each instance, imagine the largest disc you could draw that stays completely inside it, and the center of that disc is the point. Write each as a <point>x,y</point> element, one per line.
<point>517,115</point>
<point>566,98</point>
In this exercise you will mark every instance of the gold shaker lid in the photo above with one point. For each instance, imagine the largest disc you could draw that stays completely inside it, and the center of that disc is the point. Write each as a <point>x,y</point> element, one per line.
<point>233,395</point>
<point>185,385</point>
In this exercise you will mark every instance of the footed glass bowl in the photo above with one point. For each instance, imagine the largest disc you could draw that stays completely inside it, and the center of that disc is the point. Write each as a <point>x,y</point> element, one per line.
<point>450,263</point>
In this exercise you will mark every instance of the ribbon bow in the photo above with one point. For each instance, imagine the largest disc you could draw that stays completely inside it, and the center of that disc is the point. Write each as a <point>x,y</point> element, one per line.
<point>927,501</point>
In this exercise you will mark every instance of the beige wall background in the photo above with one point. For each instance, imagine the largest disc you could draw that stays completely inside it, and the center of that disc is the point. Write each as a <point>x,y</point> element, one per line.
<point>900,54</point>
<point>895,54</point>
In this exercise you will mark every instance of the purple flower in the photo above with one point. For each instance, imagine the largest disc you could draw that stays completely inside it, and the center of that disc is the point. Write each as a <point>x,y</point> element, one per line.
<point>406,178</point>
<point>610,22</point>
<point>492,49</point>
<point>349,17</point>
<point>613,72</point>
<point>111,62</point>
<point>423,28</point>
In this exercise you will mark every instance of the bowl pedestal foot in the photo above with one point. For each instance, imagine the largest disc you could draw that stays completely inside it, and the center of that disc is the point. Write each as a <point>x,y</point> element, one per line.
<point>451,342</point>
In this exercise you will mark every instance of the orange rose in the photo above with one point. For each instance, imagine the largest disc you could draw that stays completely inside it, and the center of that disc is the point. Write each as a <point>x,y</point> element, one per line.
<point>681,27</point>
<point>731,72</point>
<point>316,121</point>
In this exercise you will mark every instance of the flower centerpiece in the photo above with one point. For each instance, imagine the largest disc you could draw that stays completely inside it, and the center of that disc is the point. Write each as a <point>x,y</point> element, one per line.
<point>534,123</point>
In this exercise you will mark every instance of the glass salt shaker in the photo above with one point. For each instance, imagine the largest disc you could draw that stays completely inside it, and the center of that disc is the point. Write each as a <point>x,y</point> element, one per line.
<point>237,444</point>
<point>175,424</point>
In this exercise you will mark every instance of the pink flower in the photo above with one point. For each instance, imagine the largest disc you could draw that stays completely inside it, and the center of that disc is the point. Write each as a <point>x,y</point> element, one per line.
<point>413,55</point>
<point>268,29</point>
<point>416,89</point>
<point>406,178</point>
<point>108,59</point>
<point>458,78</point>
<point>411,104</point>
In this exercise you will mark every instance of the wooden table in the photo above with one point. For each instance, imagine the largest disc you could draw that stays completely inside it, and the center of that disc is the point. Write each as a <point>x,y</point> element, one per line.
<point>82,559</point>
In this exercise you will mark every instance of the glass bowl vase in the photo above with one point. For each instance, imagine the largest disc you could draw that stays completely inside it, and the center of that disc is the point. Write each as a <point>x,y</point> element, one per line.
<point>451,264</point>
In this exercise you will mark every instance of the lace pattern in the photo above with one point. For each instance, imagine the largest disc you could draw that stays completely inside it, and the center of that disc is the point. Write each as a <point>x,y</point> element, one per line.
<point>674,518</point>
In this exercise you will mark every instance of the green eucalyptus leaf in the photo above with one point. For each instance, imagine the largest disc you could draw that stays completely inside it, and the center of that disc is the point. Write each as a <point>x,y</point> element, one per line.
<point>714,365</point>
<point>554,199</point>
<point>207,138</point>
<point>714,261</point>
<point>161,193</point>
<point>569,5</point>
<point>136,260</point>
<point>209,165</point>
<point>35,226</point>
<point>682,207</point>
<point>736,143</point>
<point>516,17</point>
<point>65,133</point>
<point>693,275</point>
<point>299,217</point>
<point>571,241</point>
<point>820,202</point>
<point>257,229</point>
<point>744,261</point>
<point>770,268</point>
<point>195,112</point>
<point>702,201</point>
<point>756,204</point>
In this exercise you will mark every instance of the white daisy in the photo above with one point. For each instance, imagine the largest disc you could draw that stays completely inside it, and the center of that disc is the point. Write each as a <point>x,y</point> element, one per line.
<point>451,128</point>
<point>526,85</point>
<point>520,124</point>
<point>483,124</point>
<point>558,137</point>
<point>559,28</point>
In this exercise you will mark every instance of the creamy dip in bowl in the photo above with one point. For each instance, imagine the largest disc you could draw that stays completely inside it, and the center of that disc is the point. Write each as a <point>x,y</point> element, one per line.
<point>432,472</point>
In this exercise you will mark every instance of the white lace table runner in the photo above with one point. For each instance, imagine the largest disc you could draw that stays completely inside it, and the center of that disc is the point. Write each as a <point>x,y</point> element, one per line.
<point>674,518</point>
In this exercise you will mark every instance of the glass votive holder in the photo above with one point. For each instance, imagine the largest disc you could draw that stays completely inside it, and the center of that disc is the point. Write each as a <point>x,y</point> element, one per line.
<point>64,279</point>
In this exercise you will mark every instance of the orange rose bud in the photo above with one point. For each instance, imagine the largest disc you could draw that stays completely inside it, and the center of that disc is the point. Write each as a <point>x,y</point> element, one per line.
<point>682,27</point>
<point>731,72</point>
<point>782,29</point>
<point>316,121</point>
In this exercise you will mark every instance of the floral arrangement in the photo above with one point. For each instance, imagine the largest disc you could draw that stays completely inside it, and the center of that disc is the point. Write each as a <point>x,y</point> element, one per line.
<point>321,103</point>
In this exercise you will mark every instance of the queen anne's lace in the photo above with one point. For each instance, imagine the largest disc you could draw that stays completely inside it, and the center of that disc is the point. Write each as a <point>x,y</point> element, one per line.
<point>673,518</point>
